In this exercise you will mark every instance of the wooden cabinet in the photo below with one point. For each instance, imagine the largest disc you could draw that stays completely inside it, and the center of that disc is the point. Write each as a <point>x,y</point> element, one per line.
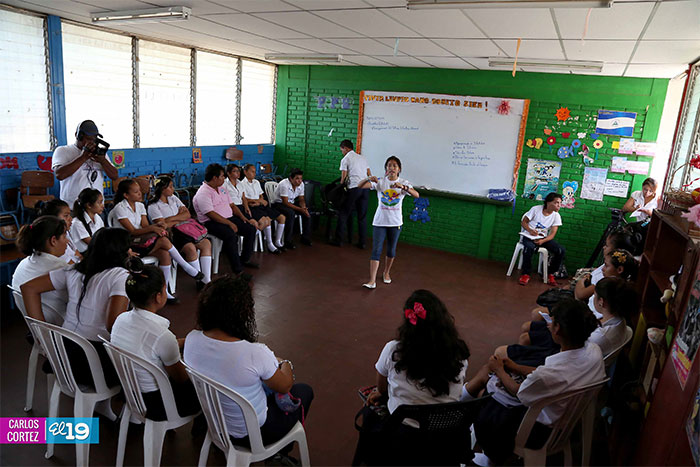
<point>668,248</point>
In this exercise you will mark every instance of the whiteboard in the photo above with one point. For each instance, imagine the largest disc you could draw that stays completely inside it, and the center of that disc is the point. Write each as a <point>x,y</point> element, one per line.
<point>455,144</point>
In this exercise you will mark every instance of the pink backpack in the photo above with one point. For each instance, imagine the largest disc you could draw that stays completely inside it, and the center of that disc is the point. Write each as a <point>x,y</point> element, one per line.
<point>192,229</point>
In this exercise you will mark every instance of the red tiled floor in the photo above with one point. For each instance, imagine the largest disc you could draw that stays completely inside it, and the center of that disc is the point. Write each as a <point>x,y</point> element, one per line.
<point>311,309</point>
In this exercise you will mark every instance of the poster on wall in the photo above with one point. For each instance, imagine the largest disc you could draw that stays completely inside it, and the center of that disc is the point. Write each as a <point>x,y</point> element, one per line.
<point>593,186</point>
<point>688,338</point>
<point>118,159</point>
<point>617,188</point>
<point>612,122</point>
<point>692,428</point>
<point>542,178</point>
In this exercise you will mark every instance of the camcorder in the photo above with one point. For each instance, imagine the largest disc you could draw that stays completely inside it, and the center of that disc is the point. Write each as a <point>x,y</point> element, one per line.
<point>101,147</point>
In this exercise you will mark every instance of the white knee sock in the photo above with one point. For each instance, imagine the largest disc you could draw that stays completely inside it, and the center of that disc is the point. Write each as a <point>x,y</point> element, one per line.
<point>268,238</point>
<point>194,264</point>
<point>175,255</point>
<point>166,273</point>
<point>278,236</point>
<point>205,264</point>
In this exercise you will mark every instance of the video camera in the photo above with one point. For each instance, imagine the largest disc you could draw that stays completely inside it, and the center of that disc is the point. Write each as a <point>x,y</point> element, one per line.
<point>101,147</point>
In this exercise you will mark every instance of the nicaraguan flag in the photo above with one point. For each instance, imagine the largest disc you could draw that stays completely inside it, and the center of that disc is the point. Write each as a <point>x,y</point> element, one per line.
<point>611,122</point>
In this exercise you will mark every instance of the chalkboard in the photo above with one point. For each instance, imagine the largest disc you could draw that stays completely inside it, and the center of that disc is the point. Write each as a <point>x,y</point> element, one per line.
<point>454,144</point>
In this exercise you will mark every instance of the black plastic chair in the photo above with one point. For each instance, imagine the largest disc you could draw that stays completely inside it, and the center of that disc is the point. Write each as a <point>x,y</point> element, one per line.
<point>310,187</point>
<point>434,434</point>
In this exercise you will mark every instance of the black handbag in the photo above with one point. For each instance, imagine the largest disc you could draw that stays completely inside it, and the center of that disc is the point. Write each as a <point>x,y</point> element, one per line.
<point>336,193</point>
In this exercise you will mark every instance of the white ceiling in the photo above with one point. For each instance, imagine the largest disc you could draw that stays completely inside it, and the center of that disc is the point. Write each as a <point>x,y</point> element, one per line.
<point>645,38</point>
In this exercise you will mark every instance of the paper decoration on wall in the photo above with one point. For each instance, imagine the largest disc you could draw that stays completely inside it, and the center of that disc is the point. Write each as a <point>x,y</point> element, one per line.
<point>575,144</point>
<point>637,167</point>
<point>597,144</point>
<point>626,146</point>
<point>615,145</point>
<point>534,143</point>
<point>685,346</point>
<point>611,122</point>
<point>542,178</point>
<point>643,148</point>
<point>618,188</point>
<point>619,164</point>
<point>332,102</point>
<point>566,134</point>
<point>44,163</point>
<point>504,107</point>
<point>568,191</point>
<point>234,154</point>
<point>563,114</point>
<point>260,148</point>
<point>420,210</point>
<point>551,141</point>
<point>9,163</point>
<point>584,152</point>
<point>547,131</point>
<point>593,183</point>
<point>563,152</point>
<point>197,155</point>
<point>118,159</point>
<point>581,134</point>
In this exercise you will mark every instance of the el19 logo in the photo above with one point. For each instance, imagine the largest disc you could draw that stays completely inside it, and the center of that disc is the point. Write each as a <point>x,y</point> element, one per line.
<point>72,430</point>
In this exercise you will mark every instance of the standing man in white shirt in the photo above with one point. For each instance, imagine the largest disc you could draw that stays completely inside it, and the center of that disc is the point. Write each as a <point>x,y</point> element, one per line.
<point>355,168</point>
<point>77,166</point>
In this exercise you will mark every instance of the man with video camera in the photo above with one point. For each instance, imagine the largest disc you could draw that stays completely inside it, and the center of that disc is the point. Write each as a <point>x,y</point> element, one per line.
<point>80,165</point>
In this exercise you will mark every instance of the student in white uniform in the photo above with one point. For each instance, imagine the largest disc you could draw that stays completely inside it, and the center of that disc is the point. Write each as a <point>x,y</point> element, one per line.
<point>239,205</point>
<point>539,227</point>
<point>44,241</point>
<point>227,333</point>
<point>88,219</point>
<point>516,387</point>
<point>354,168</point>
<point>289,200</point>
<point>584,288</point>
<point>96,296</point>
<point>60,209</point>
<point>388,218</point>
<point>131,215</point>
<point>143,332</point>
<point>78,167</point>
<point>615,300</point>
<point>259,207</point>
<point>166,209</point>
<point>643,202</point>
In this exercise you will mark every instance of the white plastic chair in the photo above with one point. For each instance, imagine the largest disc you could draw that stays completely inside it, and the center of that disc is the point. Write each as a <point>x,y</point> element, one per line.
<point>611,357</point>
<point>85,397</point>
<point>33,363</point>
<point>578,407</point>
<point>126,363</point>
<point>216,246</point>
<point>209,393</point>
<point>270,189</point>
<point>542,262</point>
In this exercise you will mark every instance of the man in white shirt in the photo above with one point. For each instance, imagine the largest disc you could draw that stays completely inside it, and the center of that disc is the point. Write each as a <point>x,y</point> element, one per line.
<point>289,200</point>
<point>77,166</point>
<point>354,168</point>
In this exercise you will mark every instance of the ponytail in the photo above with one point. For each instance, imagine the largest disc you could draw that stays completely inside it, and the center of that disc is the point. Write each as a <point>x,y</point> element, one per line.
<point>50,208</point>
<point>143,283</point>
<point>33,237</point>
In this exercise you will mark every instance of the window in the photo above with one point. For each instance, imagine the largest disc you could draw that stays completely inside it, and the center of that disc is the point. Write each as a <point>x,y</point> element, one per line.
<point>98,75</point>
<point>687,144</point>
<point>164,95</point>
<point>257,95</point>
<point>24,101</point>
<point>216,99</point>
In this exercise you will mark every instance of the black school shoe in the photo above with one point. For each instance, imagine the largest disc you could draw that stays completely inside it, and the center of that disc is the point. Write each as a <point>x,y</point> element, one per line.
<point>306,241</point>
<point>290,246</point>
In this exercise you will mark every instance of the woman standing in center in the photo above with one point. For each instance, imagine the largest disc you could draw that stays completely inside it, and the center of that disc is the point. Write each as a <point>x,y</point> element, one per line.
<point>388,218</point>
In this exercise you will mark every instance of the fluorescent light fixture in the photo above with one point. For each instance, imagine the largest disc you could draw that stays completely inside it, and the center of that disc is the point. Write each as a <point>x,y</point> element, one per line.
<point>307,58</point>
<point>457,4</point>
<point>148,15</point>
<point>565,65</point>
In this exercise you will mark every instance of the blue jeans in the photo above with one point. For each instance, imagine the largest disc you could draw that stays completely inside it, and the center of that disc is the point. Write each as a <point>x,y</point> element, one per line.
<point>391,234</point>
<point>556,254</point>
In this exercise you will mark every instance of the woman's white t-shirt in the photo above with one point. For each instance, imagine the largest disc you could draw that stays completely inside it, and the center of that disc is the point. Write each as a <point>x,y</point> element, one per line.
<point>148,335</point>
<point>404,391</point>
<point>235,193</point>
<point>38,264</point>
<point>638,198</point>
<point>123,211</point>
<point>388,212</point>
<point>539,222</point>
<point>251,190</point>
<point>241,366</point>
<point>91,320</point>
<point>161,210</point>
<point>78,231</point>
<point>610,335</point>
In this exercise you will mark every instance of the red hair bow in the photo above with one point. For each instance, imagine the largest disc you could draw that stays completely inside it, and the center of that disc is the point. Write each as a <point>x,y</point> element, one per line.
<point>417,312</point>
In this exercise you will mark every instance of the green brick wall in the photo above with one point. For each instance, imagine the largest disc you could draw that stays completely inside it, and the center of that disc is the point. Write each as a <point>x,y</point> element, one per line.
<point>462,225</point>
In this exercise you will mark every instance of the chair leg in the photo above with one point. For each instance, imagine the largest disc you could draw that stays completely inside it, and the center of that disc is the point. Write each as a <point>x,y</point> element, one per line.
<point>544,260</point>
<point>204,452</point>
<point>303,450</point>
<point>31,377</point>
<point>123,431</point>
<point>83,407</point>
<point>54,400</point>
<point>516,254</point>
<point>535,458</point>
<point>587,433</point>
<point>236,458</point>
<point>153,435</point>
<point>567,455</point>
